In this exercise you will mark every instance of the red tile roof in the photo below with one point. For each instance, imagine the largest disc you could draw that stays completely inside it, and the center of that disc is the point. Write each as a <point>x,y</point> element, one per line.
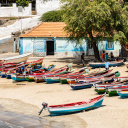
<point>47,29</point>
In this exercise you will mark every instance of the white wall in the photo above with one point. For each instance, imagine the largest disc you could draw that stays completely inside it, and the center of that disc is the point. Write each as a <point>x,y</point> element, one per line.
<point>43,7</point>
<point>18,25</point>
<point>13,11</point>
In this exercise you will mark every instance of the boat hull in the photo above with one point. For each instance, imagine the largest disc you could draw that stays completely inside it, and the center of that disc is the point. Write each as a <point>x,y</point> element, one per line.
<point>63,81</point>
<point>29,78</point>
<point>17,59</point>
<point>8,76</point>
<point>39,79</point>
<point>102,65</point>
<point>63,111</point>
<point>3,75</point>
<point>52,80</point>
<point>123,94</point>
<point>18,77</point>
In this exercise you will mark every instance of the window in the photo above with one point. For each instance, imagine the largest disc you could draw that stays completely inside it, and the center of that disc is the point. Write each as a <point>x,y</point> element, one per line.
<point>109,45</point>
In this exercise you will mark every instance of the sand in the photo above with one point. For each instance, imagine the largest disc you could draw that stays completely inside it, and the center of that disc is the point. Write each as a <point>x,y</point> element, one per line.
<point>26,97</point>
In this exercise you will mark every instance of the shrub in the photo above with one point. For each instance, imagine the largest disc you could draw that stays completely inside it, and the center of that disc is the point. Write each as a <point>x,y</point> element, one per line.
<point>52,16</point>
<point>12,18</point>
<point>22,2</point>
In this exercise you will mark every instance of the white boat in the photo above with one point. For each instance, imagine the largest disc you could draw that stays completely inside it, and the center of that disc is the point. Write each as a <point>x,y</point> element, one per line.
<point>73,107</point>
<point>16,59</point>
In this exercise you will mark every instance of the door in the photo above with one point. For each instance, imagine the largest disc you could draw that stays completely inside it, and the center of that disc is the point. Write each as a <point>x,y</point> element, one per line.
<point>33,5</point>
<point>89,48</point>
<point>50,47</point>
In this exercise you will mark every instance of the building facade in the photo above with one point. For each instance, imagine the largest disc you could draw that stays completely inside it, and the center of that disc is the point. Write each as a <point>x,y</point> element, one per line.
<point>8,8</point>
<point>49,38</point>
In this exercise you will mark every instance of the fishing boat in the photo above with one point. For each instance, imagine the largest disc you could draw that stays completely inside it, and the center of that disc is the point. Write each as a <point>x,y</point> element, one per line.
<point>112,91</point>
<point>55,78</point>
<point>84,85</point>
<point>102,64</point>
<point>63,79</point>
<point>123,93</point>
<point>73,107</point>
<point>82,78</point>
<point>18,77</point>
<point>101,88</point>
<point>41,78</point>
<point>39,72</point>
<point>16,59</point>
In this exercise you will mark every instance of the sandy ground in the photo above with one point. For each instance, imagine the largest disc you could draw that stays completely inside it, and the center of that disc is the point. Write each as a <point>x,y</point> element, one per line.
<point>26,97</point>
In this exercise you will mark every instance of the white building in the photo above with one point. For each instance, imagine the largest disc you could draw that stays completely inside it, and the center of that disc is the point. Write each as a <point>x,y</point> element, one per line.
<point>36,7</point>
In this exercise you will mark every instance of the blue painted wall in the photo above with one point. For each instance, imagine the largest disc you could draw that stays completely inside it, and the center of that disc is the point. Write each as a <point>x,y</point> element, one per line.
<point>21,45</point>
<point>62,46</point>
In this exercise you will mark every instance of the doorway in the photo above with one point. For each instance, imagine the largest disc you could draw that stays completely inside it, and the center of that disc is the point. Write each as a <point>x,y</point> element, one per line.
<point>50,47</point>
<point>33,5</point>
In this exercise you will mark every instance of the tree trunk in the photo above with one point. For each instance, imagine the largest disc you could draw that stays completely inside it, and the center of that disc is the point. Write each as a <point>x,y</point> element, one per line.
<point>96,51</point>
<point>123,50</point>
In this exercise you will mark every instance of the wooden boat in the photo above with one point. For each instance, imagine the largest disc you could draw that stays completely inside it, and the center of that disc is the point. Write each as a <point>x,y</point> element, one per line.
<point>84,85</point>
<point>123,93</point>
<point>63,78</point>
<point>41,78</point>
<point>39,72</point>
<point>12,69</point>
<point>101,88</point>
<point>38,62</point>
<point>55,78</point>
<point>74,80</point>
<point>112,91</point>
<point>102,64</point>
<point>74,107</point>
<point>16,59</point>
<point>19,77</point>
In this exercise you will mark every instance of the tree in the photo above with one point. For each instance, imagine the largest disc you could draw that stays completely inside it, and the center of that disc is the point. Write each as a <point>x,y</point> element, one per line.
<point>22,2</point>
<point>94,19</point>
<point>52,16</point>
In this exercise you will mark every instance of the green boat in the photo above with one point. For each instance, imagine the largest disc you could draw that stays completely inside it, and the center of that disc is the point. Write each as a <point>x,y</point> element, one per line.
<point>100,91</point>
<point>63,81</point>
<point>29,78</point>
<point>112,93</point>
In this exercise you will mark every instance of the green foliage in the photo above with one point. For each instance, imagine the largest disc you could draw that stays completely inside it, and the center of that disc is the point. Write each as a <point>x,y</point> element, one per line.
<point>12,18</point>
<point>52,16</point>
<point>97,18</point>
<point>22,2</point>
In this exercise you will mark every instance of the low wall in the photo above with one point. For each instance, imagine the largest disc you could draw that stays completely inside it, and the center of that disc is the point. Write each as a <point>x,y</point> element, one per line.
<point>19,25</point>
<point>13,11</point>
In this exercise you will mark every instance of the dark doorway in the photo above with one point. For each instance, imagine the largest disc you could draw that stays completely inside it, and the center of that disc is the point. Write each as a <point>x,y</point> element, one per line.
<point>33,5</point>
<point>50,47</point>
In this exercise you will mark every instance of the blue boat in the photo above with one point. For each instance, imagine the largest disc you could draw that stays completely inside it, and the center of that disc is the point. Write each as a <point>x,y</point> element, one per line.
<point>73,107</point>
<point>50,80</point>
<point>16,77</point>
<point>8,76</point>
<point>85,85</point>
<point>102,64</point>
<point>123,93</point>
<point>3,75</point>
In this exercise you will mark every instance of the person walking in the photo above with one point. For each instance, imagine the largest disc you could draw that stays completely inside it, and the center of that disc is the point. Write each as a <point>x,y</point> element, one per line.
<point>107,65</point>
<point>82,59</point>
